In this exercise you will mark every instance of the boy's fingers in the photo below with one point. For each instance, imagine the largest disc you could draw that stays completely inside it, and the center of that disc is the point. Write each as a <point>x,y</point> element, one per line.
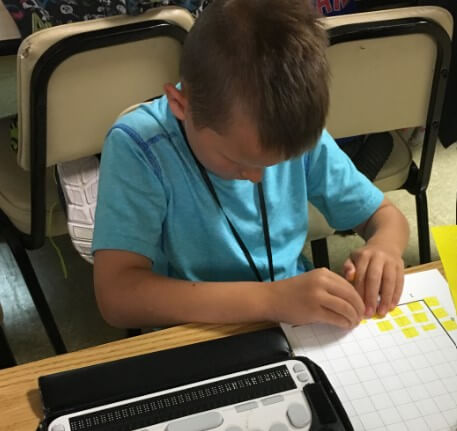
<point>349,270</point>
<point>398,288</point>
<point>343,309</point>
<point>332,318</point>
<point>373,279</point>
<point>361,268</point>
<point>360,283</point>
<point>348,295</point>
<point>388,287</point>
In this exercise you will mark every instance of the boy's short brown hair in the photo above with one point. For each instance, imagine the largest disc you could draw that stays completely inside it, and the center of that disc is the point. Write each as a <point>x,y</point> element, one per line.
<point>268,56</point>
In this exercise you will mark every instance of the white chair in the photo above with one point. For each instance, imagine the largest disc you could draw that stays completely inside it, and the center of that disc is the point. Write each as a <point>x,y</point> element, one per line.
<point>73,81</point>
<point>388,71</point>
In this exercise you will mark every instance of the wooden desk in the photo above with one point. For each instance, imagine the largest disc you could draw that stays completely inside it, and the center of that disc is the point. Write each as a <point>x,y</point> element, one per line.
<point>20,408</point>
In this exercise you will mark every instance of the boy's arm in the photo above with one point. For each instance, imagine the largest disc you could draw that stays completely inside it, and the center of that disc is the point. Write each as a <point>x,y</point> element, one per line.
<point>377,267</point>
<point>129,294</point>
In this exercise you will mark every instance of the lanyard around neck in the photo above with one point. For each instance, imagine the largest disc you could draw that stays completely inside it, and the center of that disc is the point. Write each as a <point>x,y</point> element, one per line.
<point>263,211</point>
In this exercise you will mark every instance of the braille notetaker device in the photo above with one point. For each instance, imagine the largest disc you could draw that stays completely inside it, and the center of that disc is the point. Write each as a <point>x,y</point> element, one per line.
<point>197,388</point>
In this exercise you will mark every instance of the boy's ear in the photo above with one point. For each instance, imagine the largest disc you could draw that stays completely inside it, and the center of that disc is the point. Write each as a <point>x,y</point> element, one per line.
<point>177,101</point>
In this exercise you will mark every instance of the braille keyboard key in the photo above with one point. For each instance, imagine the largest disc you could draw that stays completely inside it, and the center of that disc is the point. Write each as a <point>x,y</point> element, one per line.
<point>203,422</point>
<point>303,377</point>
<point>279,427</point>
<point>272,400</point>
<point>298,415</point>
<point>299,368</point>
<point>246,406</point>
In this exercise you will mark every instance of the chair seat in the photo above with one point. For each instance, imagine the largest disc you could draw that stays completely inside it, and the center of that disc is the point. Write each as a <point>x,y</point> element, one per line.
<point>317,226</point>
<point>395,171</point>
<point>15,190</point>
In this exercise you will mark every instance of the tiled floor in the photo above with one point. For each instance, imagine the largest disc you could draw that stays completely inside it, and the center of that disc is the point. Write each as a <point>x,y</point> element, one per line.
<point>71,300</point>
<point>73,303</point>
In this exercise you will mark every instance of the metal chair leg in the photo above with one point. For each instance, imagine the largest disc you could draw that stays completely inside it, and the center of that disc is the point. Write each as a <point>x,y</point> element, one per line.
<point>423,231</point>
<point>33,285</point>
<point>319,251</point>
<point>6,354</point>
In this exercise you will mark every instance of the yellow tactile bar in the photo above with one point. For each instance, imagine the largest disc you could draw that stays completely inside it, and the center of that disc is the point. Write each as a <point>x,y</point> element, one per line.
<point>432,301</point>
<point>420,317</point>
<point>410,332</point>
<point>402,321</point>
<point>385,325</point>
<point>415,306</point>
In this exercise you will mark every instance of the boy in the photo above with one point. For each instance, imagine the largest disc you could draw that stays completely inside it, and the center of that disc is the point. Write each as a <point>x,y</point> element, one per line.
<point>202,207</point>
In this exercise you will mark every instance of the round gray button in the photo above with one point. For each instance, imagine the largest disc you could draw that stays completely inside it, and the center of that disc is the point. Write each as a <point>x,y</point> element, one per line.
<point>279,427</point>
<point>299,367</point>
<point>298,415</point>
<point>303,377</point>
<point>234,428</point>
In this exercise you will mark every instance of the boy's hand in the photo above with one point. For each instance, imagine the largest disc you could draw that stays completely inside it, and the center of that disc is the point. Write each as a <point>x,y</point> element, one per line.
<point>317,296</point>
<point>376,272</point>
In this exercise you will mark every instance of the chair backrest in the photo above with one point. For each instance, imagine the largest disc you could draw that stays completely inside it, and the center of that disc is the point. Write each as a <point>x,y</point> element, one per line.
<point>81,75</point>
<point>9,42</point>
<point>8,28</point>
<point>382,68</point>
<point>75,79</point>
<point>388,71</point>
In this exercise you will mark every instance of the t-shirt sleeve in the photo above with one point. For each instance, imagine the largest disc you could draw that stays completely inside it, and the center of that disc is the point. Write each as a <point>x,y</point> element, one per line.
<point>341,193</point>
<point>131,202</point>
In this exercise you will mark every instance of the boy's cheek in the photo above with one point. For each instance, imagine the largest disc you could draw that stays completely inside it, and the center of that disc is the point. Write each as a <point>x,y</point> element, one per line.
<point>222,170</point>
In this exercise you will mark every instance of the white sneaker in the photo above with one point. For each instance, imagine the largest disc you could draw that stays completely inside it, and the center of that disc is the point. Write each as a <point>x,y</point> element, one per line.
<point>79,182</point>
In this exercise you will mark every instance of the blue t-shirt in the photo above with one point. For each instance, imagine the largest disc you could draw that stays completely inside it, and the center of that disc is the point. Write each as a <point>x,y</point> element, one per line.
<point>152,200</point>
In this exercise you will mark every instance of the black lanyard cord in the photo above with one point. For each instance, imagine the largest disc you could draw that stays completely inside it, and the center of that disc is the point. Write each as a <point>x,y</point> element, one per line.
<point>266,230</point>
<point>263,210</point>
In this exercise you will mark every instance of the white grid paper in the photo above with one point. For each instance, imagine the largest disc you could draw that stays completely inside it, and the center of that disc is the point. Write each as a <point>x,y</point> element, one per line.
<point>385,379</point>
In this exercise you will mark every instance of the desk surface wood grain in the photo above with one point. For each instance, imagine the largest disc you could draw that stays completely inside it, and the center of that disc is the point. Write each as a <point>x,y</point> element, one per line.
<point>20,406</point>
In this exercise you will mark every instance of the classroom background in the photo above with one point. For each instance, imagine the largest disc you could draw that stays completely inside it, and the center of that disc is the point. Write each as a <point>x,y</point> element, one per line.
<point>73,303</point>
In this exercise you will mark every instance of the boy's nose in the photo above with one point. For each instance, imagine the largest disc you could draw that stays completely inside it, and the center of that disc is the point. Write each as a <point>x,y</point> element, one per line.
<point>253,175</point>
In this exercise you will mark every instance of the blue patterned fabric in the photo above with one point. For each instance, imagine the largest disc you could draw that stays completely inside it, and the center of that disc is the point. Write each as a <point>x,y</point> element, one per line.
<point>34,15</point>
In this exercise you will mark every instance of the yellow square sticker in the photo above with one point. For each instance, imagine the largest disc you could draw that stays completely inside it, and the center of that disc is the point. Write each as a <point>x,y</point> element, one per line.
<point>432,301</point>
<point>396,312</point>
<point>450,325</point>
<point>402,321</point>
<point>415,306</point>
<point>385,325</point>
<point>420,317</point>
<point>440,312</point>
<point>429,327</point>
<point>410,332</point>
